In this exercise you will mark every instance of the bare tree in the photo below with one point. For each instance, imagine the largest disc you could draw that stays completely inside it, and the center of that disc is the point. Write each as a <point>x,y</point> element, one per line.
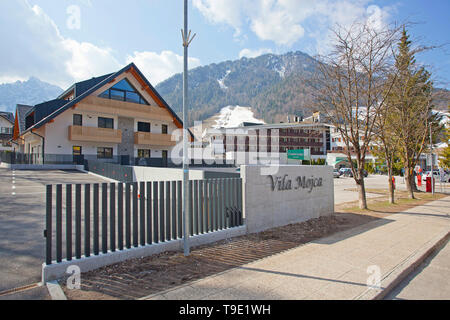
<point>351,88</point>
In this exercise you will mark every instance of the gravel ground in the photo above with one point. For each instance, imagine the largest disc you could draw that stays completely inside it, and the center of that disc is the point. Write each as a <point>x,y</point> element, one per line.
<point>137,278</point>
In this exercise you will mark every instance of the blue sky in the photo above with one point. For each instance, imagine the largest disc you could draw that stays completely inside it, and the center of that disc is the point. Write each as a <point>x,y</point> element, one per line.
<point>70,40</point>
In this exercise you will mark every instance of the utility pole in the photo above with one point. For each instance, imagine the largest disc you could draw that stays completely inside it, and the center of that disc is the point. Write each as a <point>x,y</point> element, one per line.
<point>432,173</point>
<point>186,41</point>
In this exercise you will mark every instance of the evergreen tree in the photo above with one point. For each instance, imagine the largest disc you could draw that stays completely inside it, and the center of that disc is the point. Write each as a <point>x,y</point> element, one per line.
<point>445,155</point>
<point>410,106</point>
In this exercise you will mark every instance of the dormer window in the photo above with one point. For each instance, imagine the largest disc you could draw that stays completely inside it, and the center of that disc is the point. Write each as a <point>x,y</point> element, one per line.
<point>124,91</point>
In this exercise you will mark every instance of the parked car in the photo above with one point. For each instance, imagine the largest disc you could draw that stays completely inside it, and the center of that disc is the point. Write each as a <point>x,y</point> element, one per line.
<point>336,173</point>
<point>437,175</point>
<point>346,172</point>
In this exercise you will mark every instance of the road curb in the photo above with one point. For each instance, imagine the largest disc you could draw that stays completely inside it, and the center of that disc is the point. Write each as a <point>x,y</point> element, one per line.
<point>406,267</point>
<point>55,291</point>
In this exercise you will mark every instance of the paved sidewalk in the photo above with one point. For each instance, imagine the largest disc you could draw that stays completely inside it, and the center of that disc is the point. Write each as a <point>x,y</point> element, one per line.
<point>334,267</point>
<point>431,281</point>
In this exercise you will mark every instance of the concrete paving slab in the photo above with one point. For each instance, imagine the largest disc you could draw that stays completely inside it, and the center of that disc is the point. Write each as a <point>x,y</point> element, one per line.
<point>430,281</point>
<point>304,273</point>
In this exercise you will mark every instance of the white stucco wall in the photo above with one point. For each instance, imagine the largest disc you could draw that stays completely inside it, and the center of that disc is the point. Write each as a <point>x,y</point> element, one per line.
<point>265,207</point>
<point>57,133</point>
<point>5,123</point>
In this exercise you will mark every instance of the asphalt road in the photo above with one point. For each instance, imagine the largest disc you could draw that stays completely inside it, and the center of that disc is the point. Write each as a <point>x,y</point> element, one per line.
<point>22,220</point>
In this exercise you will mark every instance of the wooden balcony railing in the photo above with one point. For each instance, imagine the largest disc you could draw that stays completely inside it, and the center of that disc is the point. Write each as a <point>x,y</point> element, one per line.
<point>93,134</point>
<point>124,109</point>
<point>153,139</point>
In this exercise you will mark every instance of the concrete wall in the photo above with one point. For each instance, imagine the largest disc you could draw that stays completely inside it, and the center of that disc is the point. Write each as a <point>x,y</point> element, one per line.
<point>171,174</point>
<point>163,174</point>
<point>270,201</point>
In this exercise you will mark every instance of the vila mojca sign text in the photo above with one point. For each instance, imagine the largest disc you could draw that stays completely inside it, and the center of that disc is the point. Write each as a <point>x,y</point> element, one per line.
<point>301,182</point>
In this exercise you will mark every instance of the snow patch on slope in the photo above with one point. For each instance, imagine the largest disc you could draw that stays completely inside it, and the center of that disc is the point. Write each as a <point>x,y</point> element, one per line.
<point>281,71</point>
<point>222,81</point>
<point>233,116</point>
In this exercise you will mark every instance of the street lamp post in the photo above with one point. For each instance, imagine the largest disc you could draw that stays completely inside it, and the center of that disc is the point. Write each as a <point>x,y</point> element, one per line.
<point>186,41</point>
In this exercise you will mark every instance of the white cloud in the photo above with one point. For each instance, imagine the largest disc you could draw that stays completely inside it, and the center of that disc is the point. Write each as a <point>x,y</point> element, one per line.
<point>158,67</point>
<point>249,53</point>
<point>229,12</point>
<point>287,21</point>
<point>34,46</point>
<point>88,60</point>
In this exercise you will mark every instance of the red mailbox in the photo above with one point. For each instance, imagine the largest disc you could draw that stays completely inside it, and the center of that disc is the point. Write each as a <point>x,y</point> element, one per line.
<point>428,183</point>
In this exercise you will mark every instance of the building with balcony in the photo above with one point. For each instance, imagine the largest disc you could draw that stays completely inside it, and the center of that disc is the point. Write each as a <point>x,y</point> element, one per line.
<point>6,129</point>
<point>118,117</point>
<point>275,139</point>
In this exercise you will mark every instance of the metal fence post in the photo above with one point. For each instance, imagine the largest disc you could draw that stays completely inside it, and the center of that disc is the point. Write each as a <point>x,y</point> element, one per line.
<point>78,221</point>
<point>142,213</point>
<point>104,217</point>
<point>179,209</point>
<point>58,223</point>
<point>127,216</point>
<point>48,225</point>
<point>96,231</point>
<point>174,210</point>
<point>112,216</point>
<point>155,213</point>
<point>191,213</point>
<point>210,206</point>
<point>135,215</point>
<point>87,220</point>
<point>69,222</point>
<point>120,215</point>
<point>168,212</point>
<point>195,207</point>
<point>162,234</point>
<point>149,213</point>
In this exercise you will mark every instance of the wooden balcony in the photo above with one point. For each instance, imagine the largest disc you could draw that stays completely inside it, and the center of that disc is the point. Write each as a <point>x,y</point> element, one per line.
<point>153,139</point>
<point>93,134</point>
<point>123,109</point>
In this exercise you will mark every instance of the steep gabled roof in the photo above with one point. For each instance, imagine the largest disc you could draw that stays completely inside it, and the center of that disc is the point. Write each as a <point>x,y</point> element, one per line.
<point>7,115</point>
<point>44,109</point>
<point>99,82</point>
<point>21,113</point>
<point>82,87</point>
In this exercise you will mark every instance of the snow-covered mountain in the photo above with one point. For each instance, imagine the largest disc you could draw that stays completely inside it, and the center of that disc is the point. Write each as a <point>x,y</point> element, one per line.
<point>227,117</point>
<point>30,92</point>
<point>273,85</point>
<point>233,116</point>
